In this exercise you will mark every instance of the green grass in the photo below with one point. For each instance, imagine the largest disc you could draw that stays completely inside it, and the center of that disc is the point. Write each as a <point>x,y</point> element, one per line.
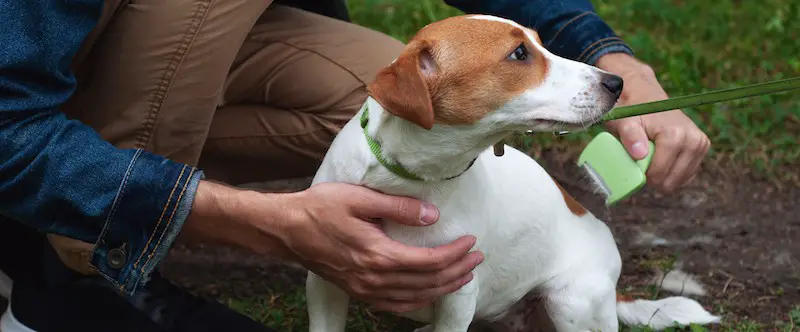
<point>285,310</point>
<point>693,46</point>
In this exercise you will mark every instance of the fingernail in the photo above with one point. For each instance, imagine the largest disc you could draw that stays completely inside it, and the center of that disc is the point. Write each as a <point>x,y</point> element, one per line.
<point>468,278</point>
<point>428,214</point>
<point>639,150</point>
<point>479,259</point>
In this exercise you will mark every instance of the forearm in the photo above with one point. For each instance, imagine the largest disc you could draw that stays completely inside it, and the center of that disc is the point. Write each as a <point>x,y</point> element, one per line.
<point>237,218</point>
<point>568,28</point>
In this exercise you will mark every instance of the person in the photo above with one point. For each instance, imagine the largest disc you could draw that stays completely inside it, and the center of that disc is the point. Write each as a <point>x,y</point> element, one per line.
<point>126,124</point>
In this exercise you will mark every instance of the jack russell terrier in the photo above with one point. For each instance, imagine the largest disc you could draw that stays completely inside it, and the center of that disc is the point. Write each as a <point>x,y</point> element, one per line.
<point>426,131</point>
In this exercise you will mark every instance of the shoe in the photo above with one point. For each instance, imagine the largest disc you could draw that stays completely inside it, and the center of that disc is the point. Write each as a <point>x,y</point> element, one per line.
<point>62,300</point>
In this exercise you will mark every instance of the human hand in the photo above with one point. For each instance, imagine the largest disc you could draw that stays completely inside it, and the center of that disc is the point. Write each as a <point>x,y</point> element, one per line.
<point>680,144</point>
<point>331,233</point>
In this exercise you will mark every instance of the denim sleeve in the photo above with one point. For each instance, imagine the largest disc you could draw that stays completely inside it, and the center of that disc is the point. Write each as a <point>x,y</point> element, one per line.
<point>58,175</point>
<point>568,28</point>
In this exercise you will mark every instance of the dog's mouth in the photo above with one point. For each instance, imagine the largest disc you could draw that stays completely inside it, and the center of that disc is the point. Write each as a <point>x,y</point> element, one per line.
<point>561,125</point>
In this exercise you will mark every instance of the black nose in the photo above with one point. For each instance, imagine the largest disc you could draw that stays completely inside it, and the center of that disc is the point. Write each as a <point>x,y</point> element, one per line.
<point>613,84</point>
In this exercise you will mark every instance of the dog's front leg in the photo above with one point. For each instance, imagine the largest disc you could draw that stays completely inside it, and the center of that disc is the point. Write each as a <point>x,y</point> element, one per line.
<point>454,312</point>
<point>327,305</point>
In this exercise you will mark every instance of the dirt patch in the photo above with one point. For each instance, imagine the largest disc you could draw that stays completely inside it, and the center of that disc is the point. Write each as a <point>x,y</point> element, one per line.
<point>740,237</point>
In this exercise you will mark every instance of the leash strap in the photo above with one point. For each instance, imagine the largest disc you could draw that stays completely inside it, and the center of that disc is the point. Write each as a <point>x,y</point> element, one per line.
<point>704,98</point>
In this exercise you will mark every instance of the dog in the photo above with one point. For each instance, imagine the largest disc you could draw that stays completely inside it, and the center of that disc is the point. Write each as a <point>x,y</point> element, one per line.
<point>459,87</point>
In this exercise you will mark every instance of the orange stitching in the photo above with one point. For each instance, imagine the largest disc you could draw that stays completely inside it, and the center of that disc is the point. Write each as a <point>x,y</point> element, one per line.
<point>568,23</point>
<point>609,44</point>
<point>163,211</point>
<point>169,221</point>
<point>592,45</point>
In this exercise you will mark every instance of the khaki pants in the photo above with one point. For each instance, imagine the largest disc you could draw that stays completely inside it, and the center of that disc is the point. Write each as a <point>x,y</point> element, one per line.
<point>246,91</point>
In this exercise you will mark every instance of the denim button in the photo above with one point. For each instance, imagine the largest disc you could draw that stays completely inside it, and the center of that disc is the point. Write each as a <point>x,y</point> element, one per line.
<point>117,258</point>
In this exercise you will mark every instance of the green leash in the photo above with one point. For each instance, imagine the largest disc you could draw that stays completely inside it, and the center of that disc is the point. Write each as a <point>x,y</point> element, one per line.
<point>704,98</point>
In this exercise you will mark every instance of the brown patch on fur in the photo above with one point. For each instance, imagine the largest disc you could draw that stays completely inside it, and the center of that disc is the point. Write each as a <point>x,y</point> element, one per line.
<point>624,298</point>
<point>518,33</point>
<point>473,75</point>
<point>573,205</point>
<point>402,88</point>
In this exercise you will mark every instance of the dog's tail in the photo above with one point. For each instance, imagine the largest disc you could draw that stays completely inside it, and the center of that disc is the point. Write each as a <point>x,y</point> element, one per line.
<point>664,313</point>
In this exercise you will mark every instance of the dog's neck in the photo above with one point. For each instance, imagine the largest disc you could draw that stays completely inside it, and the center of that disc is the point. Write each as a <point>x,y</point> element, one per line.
<point>444,152</point>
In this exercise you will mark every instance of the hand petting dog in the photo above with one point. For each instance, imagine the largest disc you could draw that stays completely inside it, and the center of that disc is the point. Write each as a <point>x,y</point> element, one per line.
<point>680,144</point>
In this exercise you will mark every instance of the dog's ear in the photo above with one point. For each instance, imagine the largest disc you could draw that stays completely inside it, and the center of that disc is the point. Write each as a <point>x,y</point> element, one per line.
<point>403,88</point>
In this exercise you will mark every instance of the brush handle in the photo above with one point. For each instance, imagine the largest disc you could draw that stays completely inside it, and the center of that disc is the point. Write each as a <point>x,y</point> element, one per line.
<point>703,98</point>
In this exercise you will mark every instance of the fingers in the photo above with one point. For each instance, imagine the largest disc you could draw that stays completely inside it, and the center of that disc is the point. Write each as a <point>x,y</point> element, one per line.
<point>409,300</point>
<point>688,162</point>
<point>668,147</point>
<point>406,280</point>
<point>404,210</point>
<point>414,294</point>
<point>403,257</point>
<point>403,290</point>
<point>634,137</point>
<point>400,307</point>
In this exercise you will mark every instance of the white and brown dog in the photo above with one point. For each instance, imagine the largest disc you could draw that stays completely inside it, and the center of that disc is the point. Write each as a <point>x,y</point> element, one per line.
<point>459,87</point>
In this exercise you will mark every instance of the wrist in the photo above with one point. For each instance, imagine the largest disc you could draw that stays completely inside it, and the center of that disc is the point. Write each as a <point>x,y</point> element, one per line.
<point>228,216</point>
<point>623,64</point>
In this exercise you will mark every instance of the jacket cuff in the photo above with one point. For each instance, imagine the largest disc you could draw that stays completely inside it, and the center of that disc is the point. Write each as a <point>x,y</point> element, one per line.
<point>584,37</point>
<point>133,239</point>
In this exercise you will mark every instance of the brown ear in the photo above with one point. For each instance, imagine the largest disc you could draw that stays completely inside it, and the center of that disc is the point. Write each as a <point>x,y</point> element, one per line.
<point>402,88</point>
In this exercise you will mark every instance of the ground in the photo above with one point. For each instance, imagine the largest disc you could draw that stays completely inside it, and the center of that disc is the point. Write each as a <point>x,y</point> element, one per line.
<point>736,227</point>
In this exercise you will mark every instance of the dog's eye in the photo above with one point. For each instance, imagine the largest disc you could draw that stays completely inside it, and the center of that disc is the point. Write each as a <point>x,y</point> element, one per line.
<point>521,53</point>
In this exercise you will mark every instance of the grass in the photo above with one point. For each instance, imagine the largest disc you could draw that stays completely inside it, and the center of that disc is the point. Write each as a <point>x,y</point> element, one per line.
<point>693,46</point>
<point>285,310</point>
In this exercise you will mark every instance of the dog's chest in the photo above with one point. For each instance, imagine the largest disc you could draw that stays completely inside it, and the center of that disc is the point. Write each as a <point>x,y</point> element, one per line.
<point>462,211</point>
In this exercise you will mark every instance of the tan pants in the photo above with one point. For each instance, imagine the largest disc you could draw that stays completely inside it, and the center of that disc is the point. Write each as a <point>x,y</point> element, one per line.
<point>246,91</point>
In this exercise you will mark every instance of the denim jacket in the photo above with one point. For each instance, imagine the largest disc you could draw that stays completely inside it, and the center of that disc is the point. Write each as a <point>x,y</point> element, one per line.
<point>59,176</point>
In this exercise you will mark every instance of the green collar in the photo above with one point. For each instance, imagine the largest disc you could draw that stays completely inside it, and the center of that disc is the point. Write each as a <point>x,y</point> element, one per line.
<point>398,169</point>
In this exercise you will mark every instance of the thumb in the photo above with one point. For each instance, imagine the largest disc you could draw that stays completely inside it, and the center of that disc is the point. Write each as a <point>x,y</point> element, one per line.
<point>633,136</point>
<point>404,210</point>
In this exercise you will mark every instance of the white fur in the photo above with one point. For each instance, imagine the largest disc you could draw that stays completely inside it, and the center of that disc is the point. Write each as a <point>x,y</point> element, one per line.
<point>664,313</point>
<point>678,282</point>
<point>531,239</point>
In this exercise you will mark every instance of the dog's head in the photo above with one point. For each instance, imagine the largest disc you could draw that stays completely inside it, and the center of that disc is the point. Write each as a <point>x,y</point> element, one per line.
<point>490,73</point>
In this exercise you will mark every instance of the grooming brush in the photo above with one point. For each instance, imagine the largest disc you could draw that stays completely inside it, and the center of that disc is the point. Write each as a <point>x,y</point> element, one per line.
<point>616,174</point>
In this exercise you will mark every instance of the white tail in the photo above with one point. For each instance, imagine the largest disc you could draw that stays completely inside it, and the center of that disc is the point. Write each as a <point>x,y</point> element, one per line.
<point>663,313</point>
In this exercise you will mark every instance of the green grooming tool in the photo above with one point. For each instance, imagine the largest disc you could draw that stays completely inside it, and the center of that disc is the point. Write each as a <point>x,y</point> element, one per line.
<point>616,173</point>
<point>612,169</point>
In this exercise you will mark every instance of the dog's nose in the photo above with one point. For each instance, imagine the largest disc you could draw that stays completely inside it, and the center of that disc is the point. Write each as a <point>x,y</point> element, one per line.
<point>613,84</point>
